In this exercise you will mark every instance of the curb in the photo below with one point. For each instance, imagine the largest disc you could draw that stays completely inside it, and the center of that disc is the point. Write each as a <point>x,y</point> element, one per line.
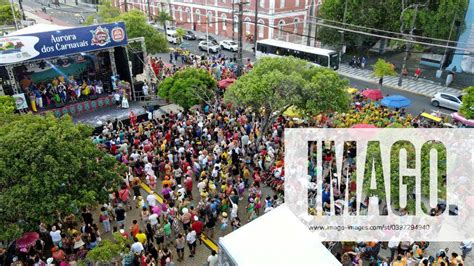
<point>384,85</point>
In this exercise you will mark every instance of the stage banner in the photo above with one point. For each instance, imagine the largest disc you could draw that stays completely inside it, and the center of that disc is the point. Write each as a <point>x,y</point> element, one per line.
<point>42,45</point>
<point>20,101</point>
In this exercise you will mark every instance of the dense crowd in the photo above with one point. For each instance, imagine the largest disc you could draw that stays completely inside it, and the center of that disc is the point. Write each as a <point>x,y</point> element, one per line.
<point>212,168</point>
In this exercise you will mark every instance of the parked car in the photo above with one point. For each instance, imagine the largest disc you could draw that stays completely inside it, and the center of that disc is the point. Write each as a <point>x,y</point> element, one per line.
<point>212,46</point>
<point>229,45</point>
<point>447,100</point>
<point>210,38</point>
<point>189,35</point>
<point>172,36</point>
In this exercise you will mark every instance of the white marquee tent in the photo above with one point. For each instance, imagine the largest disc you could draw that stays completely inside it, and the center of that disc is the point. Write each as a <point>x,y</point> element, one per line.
<point>276,238</point>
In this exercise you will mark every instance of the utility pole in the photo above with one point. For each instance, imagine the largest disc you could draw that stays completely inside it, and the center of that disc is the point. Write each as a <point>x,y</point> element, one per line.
<point>255,28</point>
<point>316,27</point>
<point>13,14</point>
<point>311,11</point>
<point>21,8</point>
<point>342,32</point>
<point>241,42</point>
<point>407,47</point>
<point>233,20</point>
<point>207,30</point>
<point>149,10</point>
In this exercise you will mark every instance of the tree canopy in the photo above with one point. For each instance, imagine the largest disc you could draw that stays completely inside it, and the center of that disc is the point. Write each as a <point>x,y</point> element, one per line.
<point>7,104</point>
<point>6,17</point>
<point>49,168</point>
<point>106,13</point>
<point>275,84</point>
<point>432,20</point>
<point>163,17</point>
<point>136,23</point>
<point>188,87</point>
<point>467,107</point>
<point>383,68</point>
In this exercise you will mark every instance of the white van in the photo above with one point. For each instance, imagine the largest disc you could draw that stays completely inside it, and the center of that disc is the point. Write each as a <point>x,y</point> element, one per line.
<point>171,36</point>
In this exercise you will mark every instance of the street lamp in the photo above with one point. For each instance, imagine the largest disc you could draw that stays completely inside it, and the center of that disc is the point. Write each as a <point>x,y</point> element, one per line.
<point>207,29</point>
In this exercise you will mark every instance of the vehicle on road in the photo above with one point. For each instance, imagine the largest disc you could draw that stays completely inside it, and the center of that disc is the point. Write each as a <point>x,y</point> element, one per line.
<point>172,36</point>
<point>317,56</point>
<point>189,35</point>
<point>204,38</point>
<point>212,46</point>
<point>447,100</point>
<point>229,45</point>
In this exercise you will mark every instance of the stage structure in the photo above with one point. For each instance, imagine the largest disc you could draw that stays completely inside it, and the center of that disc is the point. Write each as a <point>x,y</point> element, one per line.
<point>64,65</point>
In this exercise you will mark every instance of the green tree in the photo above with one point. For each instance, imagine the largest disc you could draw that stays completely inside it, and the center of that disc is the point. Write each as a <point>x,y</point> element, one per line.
<point>467,107</point>
<point>7,104</point>
<point>106,13</point>
<point>188,87</point>
<point>180,32</point>
<point>163,17</point>
<point>275,84</point>
<point>108,250</point>
<point>433,20</point>
<point>49,168</point>
<point>6,17</point>
<point>136,23</point>
<point>383,68</point>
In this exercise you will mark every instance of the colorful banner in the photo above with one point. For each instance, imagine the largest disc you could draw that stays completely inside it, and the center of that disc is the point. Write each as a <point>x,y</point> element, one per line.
<point>14,49</point>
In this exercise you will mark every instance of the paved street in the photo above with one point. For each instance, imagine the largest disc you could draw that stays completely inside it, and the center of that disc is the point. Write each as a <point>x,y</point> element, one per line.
<point>67,12</point>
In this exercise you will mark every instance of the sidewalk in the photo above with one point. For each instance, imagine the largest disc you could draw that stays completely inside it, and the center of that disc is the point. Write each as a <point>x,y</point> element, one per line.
<point>43,18</point>
<point>461,80</point>
<point>421,87</point>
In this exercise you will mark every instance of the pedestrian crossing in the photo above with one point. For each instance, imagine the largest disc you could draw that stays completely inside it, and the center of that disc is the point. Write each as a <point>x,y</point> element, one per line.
<point>421,87</point>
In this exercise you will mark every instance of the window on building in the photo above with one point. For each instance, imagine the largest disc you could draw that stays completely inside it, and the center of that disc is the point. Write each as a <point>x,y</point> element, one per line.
<point>198,16</point>
<point>282,3</point>
<point>261,29</point>
<point>247,25</point>
<point>296,23</point>
<point>209,18</point>
<point>188,15</point>
<point>180,13</point>
<point>224,21</point>
<point>281,24</point>
<point>297,3</point>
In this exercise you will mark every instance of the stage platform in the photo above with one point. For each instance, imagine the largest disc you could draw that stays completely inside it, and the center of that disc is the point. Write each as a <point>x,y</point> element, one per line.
<point>98,117</point>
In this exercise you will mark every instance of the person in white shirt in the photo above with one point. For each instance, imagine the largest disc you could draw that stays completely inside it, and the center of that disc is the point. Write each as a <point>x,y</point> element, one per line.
<point>151,199</point>
<point>213,259</point>
<point>137,247</point>
<point>153,218</point>
<point>55,235</point>
<point>191,239</point>
<point>145,89</point>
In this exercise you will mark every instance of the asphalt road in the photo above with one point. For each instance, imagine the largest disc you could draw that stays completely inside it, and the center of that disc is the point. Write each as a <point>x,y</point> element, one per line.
<point>419,103</point>
<point>67,11</point>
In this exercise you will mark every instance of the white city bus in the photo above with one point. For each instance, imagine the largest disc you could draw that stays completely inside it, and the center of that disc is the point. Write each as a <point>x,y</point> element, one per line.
<point>317,56</point>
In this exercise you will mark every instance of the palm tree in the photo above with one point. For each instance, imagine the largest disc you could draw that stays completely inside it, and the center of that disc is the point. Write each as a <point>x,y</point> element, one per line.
<point>180,32</point>
<point>163,17</point>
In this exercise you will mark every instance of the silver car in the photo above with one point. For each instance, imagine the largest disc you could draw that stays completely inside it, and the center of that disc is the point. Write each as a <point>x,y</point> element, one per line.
<point>212,46</point>
<point>447,100</point>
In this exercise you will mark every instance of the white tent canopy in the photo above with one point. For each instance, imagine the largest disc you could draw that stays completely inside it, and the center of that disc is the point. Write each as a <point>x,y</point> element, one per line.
<point>276,238</point>
<point>37,28</point>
